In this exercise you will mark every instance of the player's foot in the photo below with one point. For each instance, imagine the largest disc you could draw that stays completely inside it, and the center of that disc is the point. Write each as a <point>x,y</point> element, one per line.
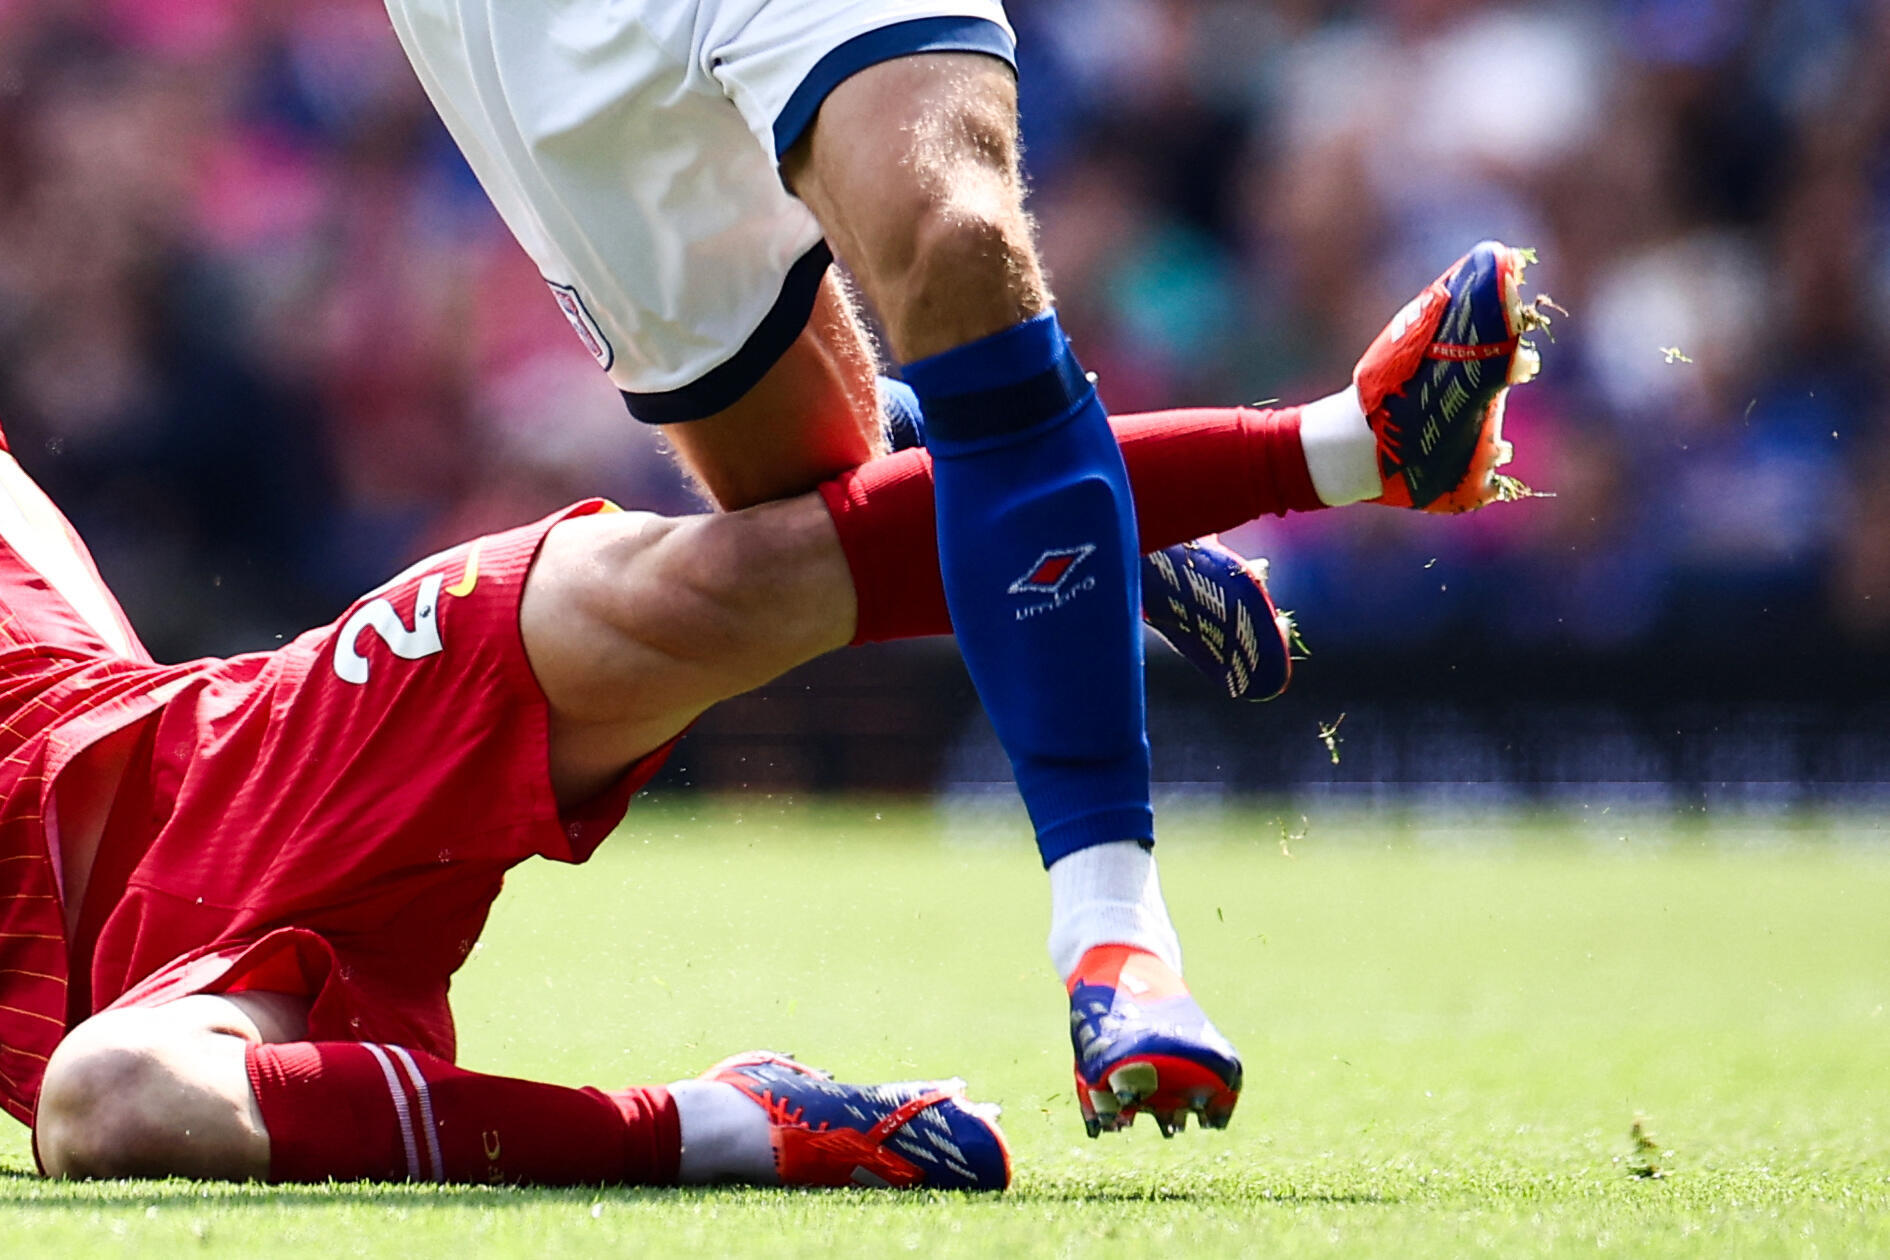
<point>918,1133</point>
<point>1142,1044</point>
<point>1433,384</point>
<point>1211,605</point>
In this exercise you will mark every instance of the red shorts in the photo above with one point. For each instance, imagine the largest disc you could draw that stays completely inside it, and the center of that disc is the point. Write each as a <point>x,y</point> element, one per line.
<point>334,818</point>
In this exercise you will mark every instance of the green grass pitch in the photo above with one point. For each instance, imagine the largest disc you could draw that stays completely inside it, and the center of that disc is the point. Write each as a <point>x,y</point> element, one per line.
<point>1448,1037</point>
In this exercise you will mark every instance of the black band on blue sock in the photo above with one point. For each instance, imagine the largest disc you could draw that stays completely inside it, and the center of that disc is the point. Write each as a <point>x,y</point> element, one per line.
<point>972,419</point>
<point>1005,384</point>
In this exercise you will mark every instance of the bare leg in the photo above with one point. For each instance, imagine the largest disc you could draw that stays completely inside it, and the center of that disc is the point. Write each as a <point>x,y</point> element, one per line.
<point>927,236</point>
<point>814,415</point>
<point>635,624</point>
<point>912,170</point>
<point>163,1092</point>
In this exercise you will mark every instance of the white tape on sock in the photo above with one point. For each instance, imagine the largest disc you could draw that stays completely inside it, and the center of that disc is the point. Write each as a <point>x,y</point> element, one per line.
<point>725,1135</point>
<point>1108,894</point>
<point>1341,453</point>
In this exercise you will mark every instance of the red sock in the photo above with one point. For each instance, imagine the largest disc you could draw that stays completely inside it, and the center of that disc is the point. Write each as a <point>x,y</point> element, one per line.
<point>1202,471</point>
<point>350,1111</point>
<point>1192,473</point>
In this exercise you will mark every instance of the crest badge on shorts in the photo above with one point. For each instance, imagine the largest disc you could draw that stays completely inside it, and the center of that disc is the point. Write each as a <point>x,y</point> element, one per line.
<point>572,304</point>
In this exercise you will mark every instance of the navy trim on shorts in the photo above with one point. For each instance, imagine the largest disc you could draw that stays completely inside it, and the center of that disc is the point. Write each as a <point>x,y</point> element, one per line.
<point>901,39</point>
<point>723,385</point>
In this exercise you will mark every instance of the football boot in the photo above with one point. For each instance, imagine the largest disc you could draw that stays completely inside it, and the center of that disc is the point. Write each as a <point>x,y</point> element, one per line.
<point>915,1134</point>
<point>1433,384</point>
<point>1211,605</point>
<point>1143,1044</point>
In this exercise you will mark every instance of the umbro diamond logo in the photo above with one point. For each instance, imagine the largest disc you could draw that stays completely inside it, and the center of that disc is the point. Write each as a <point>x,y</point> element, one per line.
<point>1052,570</point>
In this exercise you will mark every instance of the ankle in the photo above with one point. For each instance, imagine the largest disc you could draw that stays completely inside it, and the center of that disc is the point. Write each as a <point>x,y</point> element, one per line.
<point>1108,895</point>
<point>725,1135</point>
<point>1341,450</point>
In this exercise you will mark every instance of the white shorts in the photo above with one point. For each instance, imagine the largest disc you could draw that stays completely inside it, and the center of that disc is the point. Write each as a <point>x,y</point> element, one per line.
<point>631,145</point>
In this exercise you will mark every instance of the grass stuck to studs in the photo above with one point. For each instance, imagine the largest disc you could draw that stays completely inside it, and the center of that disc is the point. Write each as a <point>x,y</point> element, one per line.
<point>1505,1036</point>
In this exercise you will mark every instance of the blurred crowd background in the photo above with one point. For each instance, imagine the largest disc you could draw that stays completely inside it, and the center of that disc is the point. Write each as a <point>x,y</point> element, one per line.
<point>264,340</point>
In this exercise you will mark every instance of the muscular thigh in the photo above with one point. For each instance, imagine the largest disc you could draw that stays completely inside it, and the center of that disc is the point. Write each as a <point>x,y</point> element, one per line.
<point>912,169</point>
<point>253,1017</point>
<point>814,415</point>
<point>635,624</point>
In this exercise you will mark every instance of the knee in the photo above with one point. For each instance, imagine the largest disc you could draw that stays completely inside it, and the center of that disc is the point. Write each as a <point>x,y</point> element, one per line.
<point>101,1108</point>
<point>912,169</point>
<point>957,207</point>
<point>962,265</point>
<point>954,238</point>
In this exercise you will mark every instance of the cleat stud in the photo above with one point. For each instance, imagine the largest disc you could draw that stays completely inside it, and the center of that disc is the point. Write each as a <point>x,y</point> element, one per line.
<point>1092,1126</point>
<point>1166,1125</point>
<point>1133,1082</point>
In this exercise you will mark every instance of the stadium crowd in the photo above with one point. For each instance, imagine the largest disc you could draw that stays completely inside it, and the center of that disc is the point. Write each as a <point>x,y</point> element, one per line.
<point>260,331</point>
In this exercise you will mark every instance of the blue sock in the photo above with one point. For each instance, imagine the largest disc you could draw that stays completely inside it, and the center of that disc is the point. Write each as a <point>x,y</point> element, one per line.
<point>1037,546</point>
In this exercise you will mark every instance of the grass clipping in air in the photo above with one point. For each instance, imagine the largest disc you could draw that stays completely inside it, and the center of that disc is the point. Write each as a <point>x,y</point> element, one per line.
<point>1534,315</point>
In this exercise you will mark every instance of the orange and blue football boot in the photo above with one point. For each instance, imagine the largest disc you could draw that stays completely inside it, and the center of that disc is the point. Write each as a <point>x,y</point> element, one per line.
<point>914,1134</point>
<point>1142,1044</point>
<point>1433,384</point>
<point>1211,605</point>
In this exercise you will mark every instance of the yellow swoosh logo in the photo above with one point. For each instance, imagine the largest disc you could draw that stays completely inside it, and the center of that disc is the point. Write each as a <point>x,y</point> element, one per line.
<point>470,578</point>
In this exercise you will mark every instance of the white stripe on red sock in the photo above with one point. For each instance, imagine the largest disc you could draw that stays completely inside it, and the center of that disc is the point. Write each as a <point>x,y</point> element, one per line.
<point>423,1093</point>
<point>402,1112</point>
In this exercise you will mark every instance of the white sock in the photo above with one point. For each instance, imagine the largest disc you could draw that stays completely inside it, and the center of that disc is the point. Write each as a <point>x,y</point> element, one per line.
<point>1341,453</point>
<point>1108,894</point>
<point>724,1135</point>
